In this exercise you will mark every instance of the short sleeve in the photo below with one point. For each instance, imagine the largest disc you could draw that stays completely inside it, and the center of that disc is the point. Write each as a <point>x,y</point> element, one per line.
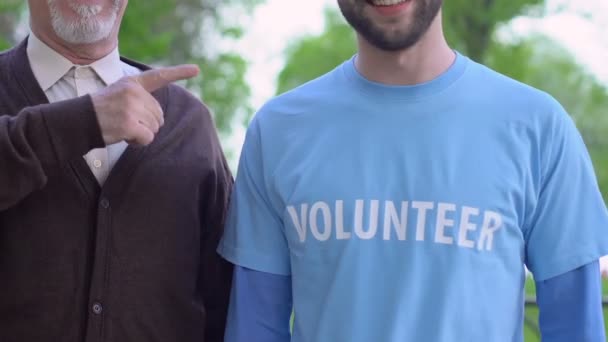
<point>568,227</point>
<point>254,236</point>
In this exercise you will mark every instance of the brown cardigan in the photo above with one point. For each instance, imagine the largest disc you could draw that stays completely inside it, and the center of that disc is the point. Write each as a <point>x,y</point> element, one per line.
<point>133,260</point>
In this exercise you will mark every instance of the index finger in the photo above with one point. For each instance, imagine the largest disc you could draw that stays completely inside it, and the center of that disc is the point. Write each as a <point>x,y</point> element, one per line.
<point>154,79</point>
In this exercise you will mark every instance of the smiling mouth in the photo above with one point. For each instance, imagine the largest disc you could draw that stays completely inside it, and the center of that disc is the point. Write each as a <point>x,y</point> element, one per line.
<point>386,3</point>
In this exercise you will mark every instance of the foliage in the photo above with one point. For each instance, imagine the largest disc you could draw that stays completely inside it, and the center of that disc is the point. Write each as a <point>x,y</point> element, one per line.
<point>471,24</point>
<point>313,56</point>
<point>188,31</point>
<point>9,16</point>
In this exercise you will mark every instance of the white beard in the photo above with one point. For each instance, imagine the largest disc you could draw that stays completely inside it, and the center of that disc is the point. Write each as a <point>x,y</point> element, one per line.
<point>88,27</point>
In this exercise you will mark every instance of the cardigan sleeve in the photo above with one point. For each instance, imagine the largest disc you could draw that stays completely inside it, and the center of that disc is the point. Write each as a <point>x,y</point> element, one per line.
<point>39,137</point>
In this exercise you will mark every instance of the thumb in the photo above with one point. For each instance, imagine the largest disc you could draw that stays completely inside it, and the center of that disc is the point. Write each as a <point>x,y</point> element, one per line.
<point>154,79</point>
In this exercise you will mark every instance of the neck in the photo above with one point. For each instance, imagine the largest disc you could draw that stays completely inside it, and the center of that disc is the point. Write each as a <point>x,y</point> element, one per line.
<point>79,54</point>
<point>422,62</point>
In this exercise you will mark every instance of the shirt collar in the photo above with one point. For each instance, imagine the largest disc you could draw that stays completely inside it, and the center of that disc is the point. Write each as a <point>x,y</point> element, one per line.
<point>49,66</point>
<point>109,68</point>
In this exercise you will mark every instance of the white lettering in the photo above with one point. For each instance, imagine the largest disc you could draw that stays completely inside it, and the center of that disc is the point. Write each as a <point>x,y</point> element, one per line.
<point>373,219</point>
<point>443,222</point>
<point>300,225</point>
<point>466,226</point>
<point>392,220</point>
<point>361,220</point>
<point>491,223</point>
<point>422,209</point>
<point>324,208</point>
<point>340,233</point>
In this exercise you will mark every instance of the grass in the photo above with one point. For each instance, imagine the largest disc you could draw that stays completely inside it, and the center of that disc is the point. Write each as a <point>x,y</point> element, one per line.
<point>532,312</point>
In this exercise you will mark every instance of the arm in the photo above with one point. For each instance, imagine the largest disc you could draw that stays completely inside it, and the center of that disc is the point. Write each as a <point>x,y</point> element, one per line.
<point>571,306</point>
<point>255,239</point>
<point>260,307</point>
<point>40,137</point>
<point>49,135</point>
<point>565,232</point>
<point>215,276</point>
<point>216,273</point>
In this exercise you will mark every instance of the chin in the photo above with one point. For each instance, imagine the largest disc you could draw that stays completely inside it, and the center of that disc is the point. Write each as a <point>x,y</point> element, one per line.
<point>83,22</point>
<point>88,31</point>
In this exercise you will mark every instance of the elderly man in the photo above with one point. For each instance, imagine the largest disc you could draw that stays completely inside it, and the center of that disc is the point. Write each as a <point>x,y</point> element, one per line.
<point>113,190</point>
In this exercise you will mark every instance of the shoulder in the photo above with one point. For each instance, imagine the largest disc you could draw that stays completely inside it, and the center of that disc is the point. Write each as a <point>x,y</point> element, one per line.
<point>184,111</point>
<point>517,100</point>
<point>500,85</point>
<point>7,57</point>
<point>302,98</point>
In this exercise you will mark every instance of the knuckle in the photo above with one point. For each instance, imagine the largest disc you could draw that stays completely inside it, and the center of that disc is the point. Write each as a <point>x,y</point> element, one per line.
<point>148,138</point>
<point>131,89</point>
<point>121,87</point>
<point>131,109</point>
<point>131,126</point>
<point>126,115</point>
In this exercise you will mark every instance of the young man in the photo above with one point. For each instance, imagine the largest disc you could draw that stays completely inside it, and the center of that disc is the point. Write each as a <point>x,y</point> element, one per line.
<point>399,196</point>
<point>113,190</point>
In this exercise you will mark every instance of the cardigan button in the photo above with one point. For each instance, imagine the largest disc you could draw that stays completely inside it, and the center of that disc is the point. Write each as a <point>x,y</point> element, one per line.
<point>97,308</point>
<point>105,203</point>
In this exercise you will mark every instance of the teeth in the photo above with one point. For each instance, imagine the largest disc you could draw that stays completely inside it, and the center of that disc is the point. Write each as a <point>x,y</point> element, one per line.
<point>387,2</point>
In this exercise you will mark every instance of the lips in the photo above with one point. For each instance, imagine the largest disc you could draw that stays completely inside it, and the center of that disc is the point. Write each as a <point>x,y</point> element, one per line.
<point>386,3</point>
<point>390,8</point>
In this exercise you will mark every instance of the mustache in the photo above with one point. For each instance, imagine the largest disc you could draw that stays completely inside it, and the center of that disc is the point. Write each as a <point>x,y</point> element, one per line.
<point>88,11</point>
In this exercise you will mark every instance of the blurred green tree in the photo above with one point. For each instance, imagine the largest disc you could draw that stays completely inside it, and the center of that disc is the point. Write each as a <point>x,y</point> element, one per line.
<point>312,56</point>
<point>193,31</point>
<point>535,60</point>
<point>470,24</point>
<point>10,11</point>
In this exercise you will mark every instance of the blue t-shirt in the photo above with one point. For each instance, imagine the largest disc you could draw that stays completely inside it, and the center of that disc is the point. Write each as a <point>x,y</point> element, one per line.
<point>407,213</point>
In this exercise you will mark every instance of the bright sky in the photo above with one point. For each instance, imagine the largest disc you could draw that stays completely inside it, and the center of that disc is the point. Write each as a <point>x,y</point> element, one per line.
<point>580,25</point>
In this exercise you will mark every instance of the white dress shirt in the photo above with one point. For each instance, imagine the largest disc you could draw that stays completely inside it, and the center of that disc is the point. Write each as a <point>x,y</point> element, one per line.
<point>62,80</point>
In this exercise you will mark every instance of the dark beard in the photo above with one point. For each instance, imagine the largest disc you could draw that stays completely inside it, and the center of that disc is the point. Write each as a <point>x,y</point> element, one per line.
<point>404,38</point>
